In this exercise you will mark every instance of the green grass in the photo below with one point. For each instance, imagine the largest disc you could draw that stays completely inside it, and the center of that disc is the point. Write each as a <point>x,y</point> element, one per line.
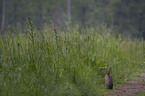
<point>70,63</point>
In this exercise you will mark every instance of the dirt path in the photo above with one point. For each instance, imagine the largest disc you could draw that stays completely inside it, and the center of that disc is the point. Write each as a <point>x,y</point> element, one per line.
<point>134,87</point>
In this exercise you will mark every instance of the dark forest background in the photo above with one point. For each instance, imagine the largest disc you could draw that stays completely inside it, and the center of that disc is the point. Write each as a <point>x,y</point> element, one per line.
<point>127,16</point>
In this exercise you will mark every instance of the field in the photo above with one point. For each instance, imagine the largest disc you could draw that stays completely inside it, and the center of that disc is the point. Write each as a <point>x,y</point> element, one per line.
<point>66,63</point>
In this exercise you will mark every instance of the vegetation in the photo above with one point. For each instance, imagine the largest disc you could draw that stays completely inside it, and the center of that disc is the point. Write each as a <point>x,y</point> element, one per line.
<point>66,63</point>
<point>69,59</point>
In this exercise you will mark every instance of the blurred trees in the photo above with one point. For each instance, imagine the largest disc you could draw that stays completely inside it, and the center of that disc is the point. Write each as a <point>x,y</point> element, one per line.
<point>69,10</point>
<point>3,15</point>
<point>128,15</point>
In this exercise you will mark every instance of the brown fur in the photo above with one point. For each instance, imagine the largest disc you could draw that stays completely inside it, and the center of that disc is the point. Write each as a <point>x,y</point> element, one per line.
<point>108,79</point>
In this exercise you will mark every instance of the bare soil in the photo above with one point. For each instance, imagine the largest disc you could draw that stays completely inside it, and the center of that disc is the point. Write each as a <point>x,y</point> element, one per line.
<point>133,87</point>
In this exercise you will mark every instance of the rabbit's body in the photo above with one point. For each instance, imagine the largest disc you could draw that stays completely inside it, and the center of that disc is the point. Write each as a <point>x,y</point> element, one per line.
<point>108,80</point>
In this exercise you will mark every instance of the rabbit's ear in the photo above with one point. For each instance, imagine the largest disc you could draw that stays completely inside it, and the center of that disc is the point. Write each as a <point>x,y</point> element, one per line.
<point>110,68</point>
<point>105,72</point>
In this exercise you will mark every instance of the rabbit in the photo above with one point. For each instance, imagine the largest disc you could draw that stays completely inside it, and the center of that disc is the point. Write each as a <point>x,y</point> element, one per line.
<point>108,79</point>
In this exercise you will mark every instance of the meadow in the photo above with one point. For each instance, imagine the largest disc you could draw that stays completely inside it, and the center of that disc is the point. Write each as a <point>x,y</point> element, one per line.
<point>49,62</point>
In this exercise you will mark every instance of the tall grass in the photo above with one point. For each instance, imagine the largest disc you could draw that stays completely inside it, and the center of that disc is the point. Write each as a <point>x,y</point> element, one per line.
<point>69,63</point>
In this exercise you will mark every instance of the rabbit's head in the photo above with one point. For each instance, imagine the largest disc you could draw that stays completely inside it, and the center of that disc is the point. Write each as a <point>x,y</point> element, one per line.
<point>108,71</point>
